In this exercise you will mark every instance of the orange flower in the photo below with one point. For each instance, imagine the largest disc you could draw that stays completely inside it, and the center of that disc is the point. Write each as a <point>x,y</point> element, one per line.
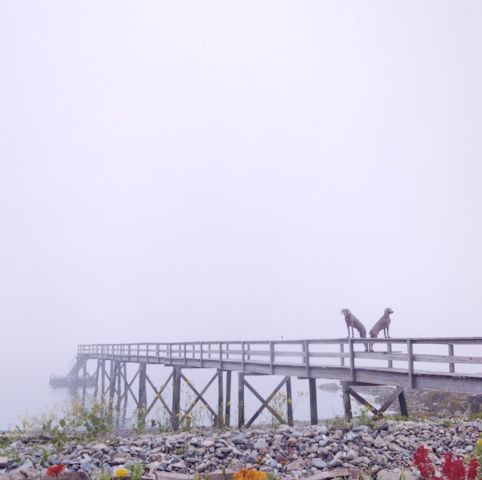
<point>55,470</point>
<point>246,474</point>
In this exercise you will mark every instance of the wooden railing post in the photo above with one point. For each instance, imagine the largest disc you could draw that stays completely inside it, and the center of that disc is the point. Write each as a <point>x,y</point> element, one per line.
<point>451,354</point>
<point>410,363</point>
<point>271,356</point>
<point>243,356</point>
<point>342,351</point>
<point>352,360</point>
<point>390,350</point>
<point>306,356</point>
<point>220,355</point>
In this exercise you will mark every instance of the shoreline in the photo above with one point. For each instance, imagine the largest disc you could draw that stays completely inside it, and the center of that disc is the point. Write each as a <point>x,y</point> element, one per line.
<point>294,452</point>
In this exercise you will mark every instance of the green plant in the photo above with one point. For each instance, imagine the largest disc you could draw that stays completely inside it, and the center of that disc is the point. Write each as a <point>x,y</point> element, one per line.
<point>278,404</point>
<point>44,457</point>
<point>136,470</point>
<point>103,475</point>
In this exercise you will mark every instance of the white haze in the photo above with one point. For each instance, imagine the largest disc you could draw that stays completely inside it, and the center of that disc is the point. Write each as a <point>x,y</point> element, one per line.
<point>193,170</point>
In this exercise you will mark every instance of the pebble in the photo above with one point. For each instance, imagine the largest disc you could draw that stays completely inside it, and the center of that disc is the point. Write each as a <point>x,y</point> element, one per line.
<point>285,451</point>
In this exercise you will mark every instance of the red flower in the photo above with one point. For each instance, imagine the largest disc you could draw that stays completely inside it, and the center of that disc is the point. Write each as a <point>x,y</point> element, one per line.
<point>453,469</point>
<point>472,469</point>
<point>423,463</point>
<point>55,470</point>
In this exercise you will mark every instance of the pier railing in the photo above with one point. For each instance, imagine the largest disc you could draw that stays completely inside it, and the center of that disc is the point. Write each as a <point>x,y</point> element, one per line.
<point>342,358</point>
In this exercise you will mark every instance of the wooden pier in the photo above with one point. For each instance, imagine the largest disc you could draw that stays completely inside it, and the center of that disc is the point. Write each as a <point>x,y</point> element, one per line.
<point>404,363</point>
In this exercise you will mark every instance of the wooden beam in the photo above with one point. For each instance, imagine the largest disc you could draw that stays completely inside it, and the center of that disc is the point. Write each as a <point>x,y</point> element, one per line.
<point>403,404</point>
<point>227,411</point>
<point>142,397</point>
<point>265,403</point>
<point>176,398</point>
<point>241,399</point>
<point>346,401</point>
<point>220,399</point>
<point>313,401</point>
<point>158,395</point>
<point>200,397</point>
<point>363,401</point>
<point>289,402</point>
<point>411,380</point>
<point>390,399</point>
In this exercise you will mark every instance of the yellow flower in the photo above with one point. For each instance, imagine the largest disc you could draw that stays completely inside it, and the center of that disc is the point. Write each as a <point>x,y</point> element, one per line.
<point>121,472</point>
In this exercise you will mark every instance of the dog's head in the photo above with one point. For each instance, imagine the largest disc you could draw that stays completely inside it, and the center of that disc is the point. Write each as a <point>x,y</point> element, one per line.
<point>345,312</point>
<point>388,311</point>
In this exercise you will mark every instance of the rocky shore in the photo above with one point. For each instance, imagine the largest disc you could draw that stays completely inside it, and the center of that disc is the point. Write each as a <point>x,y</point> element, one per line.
<point>299,451</point>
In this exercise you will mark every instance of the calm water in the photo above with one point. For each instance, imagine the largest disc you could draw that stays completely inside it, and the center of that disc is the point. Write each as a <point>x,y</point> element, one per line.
<point>34,397</point>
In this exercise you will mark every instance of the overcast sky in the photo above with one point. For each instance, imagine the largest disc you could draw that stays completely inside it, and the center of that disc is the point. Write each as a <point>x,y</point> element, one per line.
<point>221,170</point>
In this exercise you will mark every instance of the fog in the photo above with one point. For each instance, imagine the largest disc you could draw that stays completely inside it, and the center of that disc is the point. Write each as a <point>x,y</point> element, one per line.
<point>191,170</point>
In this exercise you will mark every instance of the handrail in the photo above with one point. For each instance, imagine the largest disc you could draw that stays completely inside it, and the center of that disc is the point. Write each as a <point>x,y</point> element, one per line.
<point>307,354</point>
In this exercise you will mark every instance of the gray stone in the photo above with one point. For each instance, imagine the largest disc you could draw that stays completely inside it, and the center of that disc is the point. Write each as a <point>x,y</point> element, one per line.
<point>319,463</point>
<point>261,444</point>
<point>394,475</point>
<point>240,440</point>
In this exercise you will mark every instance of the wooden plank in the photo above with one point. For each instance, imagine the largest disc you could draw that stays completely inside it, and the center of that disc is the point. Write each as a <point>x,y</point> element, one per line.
<point>451,359</point>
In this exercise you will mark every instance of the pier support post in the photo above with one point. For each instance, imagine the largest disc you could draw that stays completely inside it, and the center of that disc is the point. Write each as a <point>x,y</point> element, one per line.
<point>227,411</point>
<point>176,398</point>
<point>84,379</point>
<point>220,400</point>
<point>102,382</point>
<point>289,402</point>
<point>346,401</point>
<point>97,370</point>
<point>119,393</point>
<point>240,400</point>
<point>142,399</point>
<point>111,385</point>
<point>313,401</point>
<point>402,401</point>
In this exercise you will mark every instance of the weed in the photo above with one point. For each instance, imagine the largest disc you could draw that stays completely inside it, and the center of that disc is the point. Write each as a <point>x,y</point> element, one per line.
<point>136,470</point>
<point>103,475</point>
